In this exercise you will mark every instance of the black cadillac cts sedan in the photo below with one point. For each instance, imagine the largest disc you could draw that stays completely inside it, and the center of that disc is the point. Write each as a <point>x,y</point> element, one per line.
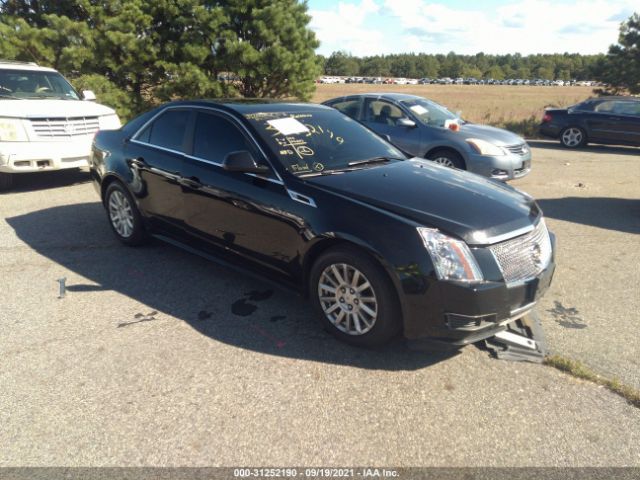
<point>305,195</point>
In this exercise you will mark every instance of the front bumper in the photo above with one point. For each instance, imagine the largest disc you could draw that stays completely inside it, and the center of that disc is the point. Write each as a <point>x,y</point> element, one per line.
<point>503,167</point>
<point>25,157</point>
<point>459,314</point>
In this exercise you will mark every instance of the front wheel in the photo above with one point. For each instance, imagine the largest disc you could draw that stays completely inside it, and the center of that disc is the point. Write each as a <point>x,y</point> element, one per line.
<point>446,158</point>
<point>573,137</point>
<point>124,217</point>
<point>6,181</point>
<point>354,298</point>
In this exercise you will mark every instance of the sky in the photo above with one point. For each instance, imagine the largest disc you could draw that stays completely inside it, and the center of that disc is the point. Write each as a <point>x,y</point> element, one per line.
<point>371,27</point>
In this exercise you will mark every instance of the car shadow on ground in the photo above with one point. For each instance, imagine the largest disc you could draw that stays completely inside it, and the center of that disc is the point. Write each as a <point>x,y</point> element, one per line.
<point>621,214</point>
<point>28,182</point>
<point>215,300</point>
<point>591,148</point>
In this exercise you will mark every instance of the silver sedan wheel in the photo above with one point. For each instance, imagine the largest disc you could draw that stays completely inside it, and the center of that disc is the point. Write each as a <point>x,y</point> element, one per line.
<point>445,161</point>
<point>121,214</point>
<point>572,137</point>
<point>347,299</point>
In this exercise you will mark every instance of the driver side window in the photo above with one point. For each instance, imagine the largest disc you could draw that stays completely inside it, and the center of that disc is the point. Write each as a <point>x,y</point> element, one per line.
<point>382,112</point>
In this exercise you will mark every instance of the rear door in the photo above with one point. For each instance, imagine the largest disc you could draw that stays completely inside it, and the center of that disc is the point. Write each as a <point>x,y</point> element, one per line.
<point>156,157</point>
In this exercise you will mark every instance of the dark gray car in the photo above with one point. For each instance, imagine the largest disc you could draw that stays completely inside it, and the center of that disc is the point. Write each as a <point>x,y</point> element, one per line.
<point>426,129</point>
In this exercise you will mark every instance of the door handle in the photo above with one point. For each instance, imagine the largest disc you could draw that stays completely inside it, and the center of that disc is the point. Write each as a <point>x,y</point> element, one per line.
<point>191,182</point>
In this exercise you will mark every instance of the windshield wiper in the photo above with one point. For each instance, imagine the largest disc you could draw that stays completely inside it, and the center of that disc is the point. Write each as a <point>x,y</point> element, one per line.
<point>368,161</point>
<point>319,174</point>
<point>8,95</point>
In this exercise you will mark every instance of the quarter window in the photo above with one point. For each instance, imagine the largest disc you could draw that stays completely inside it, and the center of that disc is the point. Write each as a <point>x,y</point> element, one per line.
<point>215,137</point>
<point>167,131</point>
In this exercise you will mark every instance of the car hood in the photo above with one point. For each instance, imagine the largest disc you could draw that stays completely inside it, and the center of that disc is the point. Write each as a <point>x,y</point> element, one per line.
<point>460,203</point>
<point>496,136</point>
<point>52,108</point>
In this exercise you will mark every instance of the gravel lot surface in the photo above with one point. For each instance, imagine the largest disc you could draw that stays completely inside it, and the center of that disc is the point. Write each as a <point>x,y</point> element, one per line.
<point>144,363</point>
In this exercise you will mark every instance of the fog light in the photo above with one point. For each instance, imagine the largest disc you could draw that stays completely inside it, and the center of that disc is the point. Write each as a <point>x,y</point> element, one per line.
<point>497,172</point>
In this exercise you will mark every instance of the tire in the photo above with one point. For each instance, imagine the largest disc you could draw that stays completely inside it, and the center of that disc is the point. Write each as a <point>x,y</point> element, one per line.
<point>123,215</point>
<point>370,317</point>
<point>447,158</point>
<point>6,181</point>
<point>573,137</point>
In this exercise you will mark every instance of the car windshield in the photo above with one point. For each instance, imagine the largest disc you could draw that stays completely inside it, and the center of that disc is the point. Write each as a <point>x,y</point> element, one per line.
<point>27,84</point>
<point>321,141</point>
<point>428,112</point>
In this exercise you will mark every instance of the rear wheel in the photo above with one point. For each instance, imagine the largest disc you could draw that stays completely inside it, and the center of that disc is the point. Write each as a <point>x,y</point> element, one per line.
<point>573,137</point>
<point>354,298</point>
<point>6,181</point>
<point>124,217</point>
<point>447,158</point>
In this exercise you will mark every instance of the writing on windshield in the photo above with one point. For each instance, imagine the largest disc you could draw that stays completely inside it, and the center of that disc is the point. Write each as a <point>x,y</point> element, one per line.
<point>308,142</point>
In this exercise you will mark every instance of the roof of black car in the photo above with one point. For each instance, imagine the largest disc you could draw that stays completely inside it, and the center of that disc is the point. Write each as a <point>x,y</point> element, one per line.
<point>252,105</point>
<point>615,97</point>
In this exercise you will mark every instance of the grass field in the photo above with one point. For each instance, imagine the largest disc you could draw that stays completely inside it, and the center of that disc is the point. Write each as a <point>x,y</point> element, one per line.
<point>517,108</point>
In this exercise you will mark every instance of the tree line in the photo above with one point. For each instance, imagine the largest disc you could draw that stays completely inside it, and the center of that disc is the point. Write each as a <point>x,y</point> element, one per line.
<point>498,67</point>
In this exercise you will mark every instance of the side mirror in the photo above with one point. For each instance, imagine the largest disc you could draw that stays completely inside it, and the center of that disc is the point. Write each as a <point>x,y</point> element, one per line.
<point>244,162</point>
<point>405,122</point>
<point>88,96</point>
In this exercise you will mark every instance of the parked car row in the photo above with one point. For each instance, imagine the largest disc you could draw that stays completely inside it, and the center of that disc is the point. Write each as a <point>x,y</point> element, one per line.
<point>456,81</point>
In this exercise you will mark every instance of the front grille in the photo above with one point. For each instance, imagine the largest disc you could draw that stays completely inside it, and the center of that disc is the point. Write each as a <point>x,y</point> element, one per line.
<point>65,127</point>
<point>519,149</point>
<point>524,257</point>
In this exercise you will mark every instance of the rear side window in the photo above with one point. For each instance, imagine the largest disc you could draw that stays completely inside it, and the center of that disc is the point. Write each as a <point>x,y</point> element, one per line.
<point>167,131</point>
<point>627,108</point>
<point>215,137</point>
<point>348,107</point>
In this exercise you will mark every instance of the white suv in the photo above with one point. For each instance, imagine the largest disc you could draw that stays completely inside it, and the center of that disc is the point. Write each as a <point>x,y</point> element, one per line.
<point>44,124</point>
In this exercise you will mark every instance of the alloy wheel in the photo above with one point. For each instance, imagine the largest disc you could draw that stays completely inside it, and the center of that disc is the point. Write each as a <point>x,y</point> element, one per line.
<point>348,299</point>
<point>572,137</point>
<point>121,214</point>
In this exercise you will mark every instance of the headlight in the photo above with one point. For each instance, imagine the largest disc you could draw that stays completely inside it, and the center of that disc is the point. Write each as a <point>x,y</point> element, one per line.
<point>109,122</point>
<point>452,258</point>
<point>12,130</point>
<point>484,148</point>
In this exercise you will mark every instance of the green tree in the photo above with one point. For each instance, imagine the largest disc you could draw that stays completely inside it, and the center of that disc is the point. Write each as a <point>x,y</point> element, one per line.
<point>166,49</point>
<point>342,63</point>
<point>620,70</point>
<point>267,44</point>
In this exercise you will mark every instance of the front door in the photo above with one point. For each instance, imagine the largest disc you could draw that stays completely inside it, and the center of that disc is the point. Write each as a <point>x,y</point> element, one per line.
<point>247,214</point>
<point>382,117</point>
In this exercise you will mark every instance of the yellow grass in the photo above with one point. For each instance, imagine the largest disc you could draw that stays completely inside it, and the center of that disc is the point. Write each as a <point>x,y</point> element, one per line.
<point>517,108</point>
